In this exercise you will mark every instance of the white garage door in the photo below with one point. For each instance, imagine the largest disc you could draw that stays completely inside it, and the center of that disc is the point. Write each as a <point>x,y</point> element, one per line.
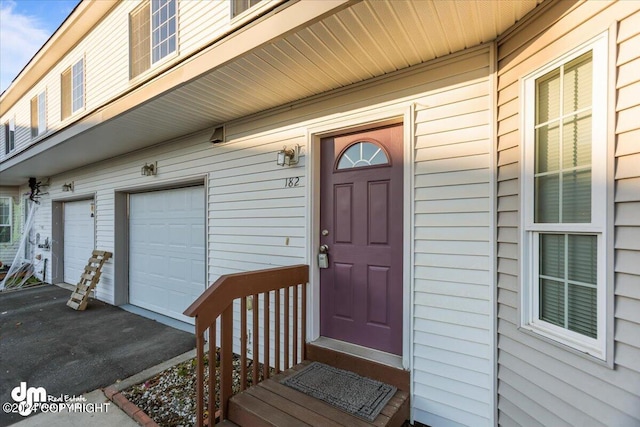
<point>167,250</point>
<point>79,238</point>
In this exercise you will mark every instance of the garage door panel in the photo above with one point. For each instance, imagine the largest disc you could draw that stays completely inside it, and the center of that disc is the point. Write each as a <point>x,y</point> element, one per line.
<point>78,239</point>
<point>167,250</point>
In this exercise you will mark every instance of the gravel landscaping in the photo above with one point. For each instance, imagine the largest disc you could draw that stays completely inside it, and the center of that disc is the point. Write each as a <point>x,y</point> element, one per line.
<point>169,398</point>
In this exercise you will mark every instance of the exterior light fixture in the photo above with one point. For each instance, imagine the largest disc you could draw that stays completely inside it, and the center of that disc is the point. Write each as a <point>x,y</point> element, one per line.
<point>67,186</point>
<point>149,169</point>
<point>288,156</point>
<point>217,136</point>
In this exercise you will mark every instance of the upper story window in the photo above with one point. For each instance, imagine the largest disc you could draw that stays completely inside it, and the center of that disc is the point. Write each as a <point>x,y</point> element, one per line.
<point>72,89</point>
<point>9,136</point>
<point>564,194</point>
<point>239,6</point>
<point>152,34</point>
<point>5,219</point>
<point>39,114</point>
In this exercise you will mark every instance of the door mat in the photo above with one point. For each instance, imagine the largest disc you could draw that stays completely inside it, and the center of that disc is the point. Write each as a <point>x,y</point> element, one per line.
<point>350,392</point>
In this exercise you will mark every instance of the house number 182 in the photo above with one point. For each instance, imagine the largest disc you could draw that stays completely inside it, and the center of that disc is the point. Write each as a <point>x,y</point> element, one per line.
<point>292,182</point>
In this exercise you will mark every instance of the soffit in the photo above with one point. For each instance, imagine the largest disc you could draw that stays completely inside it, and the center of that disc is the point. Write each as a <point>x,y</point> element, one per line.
<point>365,40</point>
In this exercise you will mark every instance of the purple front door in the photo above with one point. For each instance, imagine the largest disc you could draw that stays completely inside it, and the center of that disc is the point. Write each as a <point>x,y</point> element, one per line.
<point>361,224</point>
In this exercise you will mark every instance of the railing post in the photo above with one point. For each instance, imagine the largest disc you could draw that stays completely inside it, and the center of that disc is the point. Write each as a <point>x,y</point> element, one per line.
<point>199,375</point>
<point>226,362</point>
<point>212,374</point>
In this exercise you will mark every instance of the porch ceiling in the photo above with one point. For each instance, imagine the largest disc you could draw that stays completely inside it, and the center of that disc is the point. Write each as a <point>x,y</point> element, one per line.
<point>364,40</point>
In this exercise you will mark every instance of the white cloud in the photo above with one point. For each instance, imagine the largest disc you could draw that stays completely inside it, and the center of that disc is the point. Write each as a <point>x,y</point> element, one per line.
<point>20,38</point>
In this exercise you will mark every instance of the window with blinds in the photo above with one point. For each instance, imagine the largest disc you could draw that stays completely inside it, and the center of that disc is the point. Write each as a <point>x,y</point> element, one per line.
<point>562,188</point>
<point>564,193</point>
<point>72,89</point>
<point>152,34</point>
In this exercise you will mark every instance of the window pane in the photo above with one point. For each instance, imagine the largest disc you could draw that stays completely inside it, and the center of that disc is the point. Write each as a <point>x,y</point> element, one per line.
<point>363,154</point>
<point>576,196</point>
<point>548,148</point>
<point>548,96</point>
<point>552,302</point>
<point>547,199</point>
<point>552,255</point>
<point>583,310</point>
<point>583,258</point>
<point>78,86</point>
<point>576,141</point>
<point>578,83</point>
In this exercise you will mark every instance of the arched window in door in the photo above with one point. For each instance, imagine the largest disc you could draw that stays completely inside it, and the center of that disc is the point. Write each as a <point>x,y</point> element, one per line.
<point>362,154</point>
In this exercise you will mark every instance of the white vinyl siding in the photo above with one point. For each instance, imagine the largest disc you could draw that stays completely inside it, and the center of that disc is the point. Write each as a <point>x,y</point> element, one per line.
<point>565,150</point>
<point>452,354</point>
<point>539,382</point>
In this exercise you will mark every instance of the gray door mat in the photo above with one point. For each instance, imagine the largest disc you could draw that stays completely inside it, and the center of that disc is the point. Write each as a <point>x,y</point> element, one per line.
<point>357,395</point>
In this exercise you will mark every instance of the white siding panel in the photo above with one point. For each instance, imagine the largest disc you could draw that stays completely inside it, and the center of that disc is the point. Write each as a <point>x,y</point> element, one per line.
<point>452,268</point>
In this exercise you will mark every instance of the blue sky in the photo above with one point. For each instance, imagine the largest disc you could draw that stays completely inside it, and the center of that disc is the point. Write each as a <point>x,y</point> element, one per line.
<point>25,25</point>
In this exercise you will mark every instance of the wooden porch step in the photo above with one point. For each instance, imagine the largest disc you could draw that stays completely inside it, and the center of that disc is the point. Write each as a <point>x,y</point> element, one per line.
<point>363,367</point>
<point>273,404</point>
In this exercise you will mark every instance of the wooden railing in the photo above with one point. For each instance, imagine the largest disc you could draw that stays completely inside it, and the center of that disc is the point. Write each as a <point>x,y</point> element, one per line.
<point>218,301</point>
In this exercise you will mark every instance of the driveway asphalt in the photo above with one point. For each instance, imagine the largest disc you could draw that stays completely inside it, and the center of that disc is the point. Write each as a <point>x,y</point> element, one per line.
<point>47,344</point>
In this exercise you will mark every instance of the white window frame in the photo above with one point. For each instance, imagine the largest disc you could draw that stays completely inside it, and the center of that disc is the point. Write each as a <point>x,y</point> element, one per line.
<point>530,319</point>
<point>10,218</point>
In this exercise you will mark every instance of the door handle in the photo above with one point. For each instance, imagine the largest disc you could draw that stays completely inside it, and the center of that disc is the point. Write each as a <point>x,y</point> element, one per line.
<point>324,249</point>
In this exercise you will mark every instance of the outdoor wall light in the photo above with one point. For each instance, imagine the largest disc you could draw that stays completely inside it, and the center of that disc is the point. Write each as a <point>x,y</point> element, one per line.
<point>67,186</point>
<point>288,156</point>
<point>149,169</point>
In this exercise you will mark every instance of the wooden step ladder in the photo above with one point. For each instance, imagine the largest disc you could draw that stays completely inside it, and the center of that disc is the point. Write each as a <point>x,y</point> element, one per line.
<point>88,280</point>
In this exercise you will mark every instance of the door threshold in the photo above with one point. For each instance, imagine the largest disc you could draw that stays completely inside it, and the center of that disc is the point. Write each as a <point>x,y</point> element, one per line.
<point>388,359</point>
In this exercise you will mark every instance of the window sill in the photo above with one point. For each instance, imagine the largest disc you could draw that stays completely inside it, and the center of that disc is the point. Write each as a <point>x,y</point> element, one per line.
<point>590,353</point>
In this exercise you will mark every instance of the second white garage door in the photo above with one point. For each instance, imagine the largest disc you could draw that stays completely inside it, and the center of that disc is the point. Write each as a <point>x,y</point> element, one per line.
<point>79,238</point>
<point>167,250</point>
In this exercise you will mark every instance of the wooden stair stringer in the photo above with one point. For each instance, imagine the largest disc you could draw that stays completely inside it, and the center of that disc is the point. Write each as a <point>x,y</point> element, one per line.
<point>88,280</point>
